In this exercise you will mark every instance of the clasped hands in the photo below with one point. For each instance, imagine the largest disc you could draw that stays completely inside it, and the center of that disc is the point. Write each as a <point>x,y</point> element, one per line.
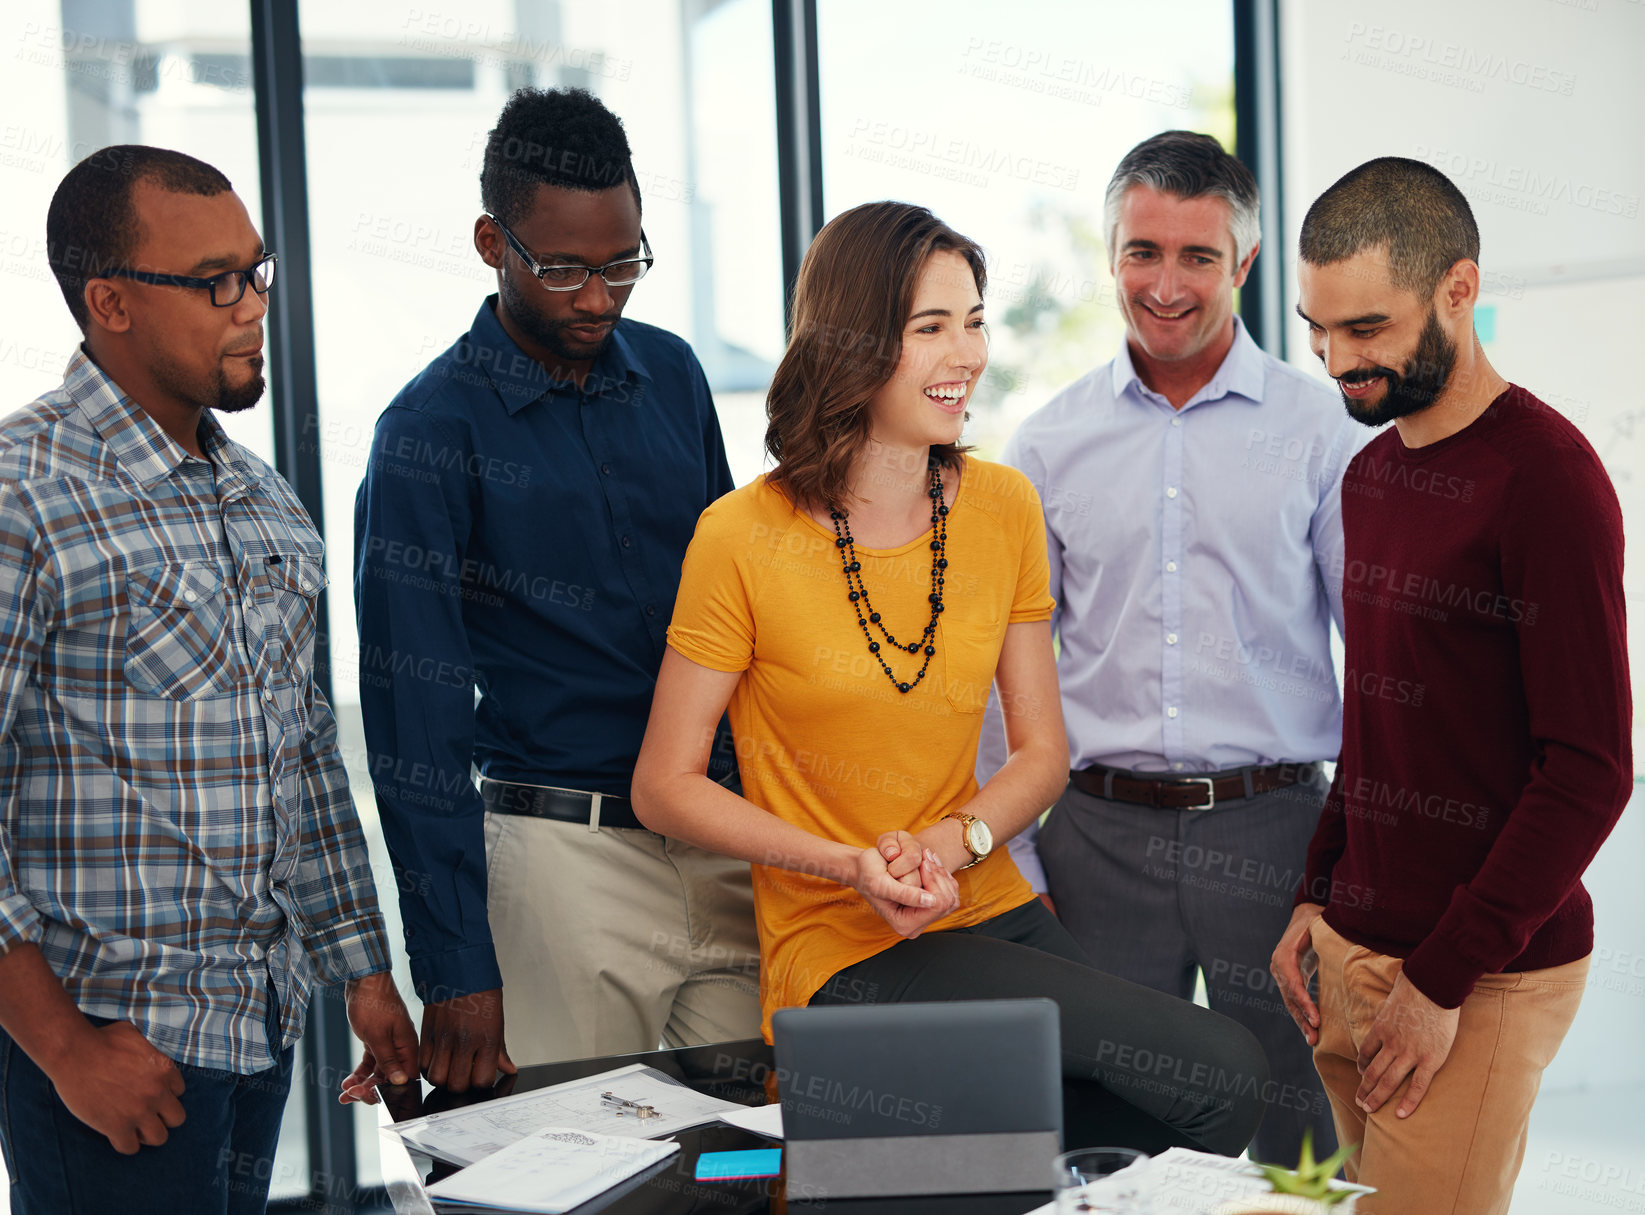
<point>906,882</point>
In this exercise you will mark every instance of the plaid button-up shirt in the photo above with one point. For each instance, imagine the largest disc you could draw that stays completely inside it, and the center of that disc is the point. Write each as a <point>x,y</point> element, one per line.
<point>176,830</point>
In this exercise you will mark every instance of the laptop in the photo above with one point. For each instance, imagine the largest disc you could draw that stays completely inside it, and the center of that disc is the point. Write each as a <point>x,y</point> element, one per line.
<point>905,1099</point>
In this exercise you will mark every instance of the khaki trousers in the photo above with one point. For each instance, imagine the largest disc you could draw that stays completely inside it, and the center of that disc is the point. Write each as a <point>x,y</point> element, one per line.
<point>617,940</point>
<point>1460,1152</point>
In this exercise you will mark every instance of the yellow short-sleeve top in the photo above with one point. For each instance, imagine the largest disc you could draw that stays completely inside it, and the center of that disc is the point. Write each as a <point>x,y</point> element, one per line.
<point>823,739</point>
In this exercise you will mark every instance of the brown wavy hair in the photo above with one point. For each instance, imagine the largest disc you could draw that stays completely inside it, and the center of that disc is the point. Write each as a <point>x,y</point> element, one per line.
<point>854,295</point>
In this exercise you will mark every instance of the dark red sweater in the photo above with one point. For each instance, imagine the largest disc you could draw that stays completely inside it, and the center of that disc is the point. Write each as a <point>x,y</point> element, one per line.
<point>1486,729</point>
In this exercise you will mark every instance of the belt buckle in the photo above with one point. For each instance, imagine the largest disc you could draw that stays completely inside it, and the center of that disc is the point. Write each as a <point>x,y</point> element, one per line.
<point>1210,790</point>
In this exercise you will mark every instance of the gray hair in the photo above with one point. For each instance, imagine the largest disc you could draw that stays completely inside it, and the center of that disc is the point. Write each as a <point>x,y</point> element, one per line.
<point>1188,165</point>
<point>1406,207</point>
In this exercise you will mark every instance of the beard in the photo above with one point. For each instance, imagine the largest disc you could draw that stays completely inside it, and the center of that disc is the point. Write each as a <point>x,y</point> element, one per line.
<point>551,335</point>
<point>215,391</point>
<point>232,399</point>
<point>1426,374</point>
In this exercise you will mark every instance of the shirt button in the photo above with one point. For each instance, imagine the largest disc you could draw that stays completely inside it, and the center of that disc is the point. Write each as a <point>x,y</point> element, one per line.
<point>606,469</point>
<point>1172,492</point>
<point>1176,422</point>
<point>626,542</point>
<point>1171,712</point>
<point>268,696</point>
<point>1170,567</point>
<point>190,596</point>
<point>650,609</point>
<point>1170,639</point>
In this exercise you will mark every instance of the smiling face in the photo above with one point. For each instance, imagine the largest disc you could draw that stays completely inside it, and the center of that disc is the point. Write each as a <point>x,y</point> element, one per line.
<point>1385,347</point>
<point>199,355</point>
<point>561,227</point>
<point>1175,272</point>
<point>944,351</point>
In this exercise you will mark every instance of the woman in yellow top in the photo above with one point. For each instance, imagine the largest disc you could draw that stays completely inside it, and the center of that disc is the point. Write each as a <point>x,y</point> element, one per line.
<point>852,608</point>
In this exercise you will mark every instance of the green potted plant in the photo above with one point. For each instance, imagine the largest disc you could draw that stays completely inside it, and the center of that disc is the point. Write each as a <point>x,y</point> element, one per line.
<point>1304,1190</point>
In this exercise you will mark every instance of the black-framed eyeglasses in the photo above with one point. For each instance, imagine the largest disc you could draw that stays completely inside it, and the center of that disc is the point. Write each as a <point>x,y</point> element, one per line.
<point>227,288</point>
<point>624,272</point>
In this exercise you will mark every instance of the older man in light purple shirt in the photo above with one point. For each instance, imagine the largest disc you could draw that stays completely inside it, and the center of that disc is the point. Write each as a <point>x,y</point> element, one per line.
<point>1192,502</point>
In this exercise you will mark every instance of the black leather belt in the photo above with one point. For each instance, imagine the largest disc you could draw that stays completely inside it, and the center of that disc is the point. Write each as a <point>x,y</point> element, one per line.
<point>562,805</point>
<point>1188,792</point>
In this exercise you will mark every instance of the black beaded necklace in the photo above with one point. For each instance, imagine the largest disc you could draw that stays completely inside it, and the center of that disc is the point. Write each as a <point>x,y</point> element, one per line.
<point>858,593</point>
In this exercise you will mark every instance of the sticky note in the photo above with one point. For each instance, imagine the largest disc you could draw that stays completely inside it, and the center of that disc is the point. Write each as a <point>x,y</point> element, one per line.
<point>737,1166</point>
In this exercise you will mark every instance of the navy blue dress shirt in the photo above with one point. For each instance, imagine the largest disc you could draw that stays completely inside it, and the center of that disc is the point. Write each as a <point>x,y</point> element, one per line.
<point>520,536</point>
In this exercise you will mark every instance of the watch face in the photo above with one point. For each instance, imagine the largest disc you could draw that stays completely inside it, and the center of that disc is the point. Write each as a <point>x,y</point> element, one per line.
<point>980,838</point>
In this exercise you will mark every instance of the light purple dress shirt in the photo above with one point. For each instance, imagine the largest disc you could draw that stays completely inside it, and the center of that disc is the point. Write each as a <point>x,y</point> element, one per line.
<point>1191,555</point>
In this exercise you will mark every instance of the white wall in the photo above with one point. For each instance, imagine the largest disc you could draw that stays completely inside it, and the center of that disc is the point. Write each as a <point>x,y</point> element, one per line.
<point>1536,109</point>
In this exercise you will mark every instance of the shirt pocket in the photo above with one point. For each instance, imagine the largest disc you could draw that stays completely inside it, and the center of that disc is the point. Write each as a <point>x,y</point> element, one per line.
<point>296,580</point>
<point>179,643</point>
<point>970,651</point>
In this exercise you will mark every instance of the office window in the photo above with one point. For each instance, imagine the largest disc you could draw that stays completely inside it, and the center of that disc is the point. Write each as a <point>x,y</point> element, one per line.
<point>81,75</point>
<point>398,104</point>
<point>1007,121</point>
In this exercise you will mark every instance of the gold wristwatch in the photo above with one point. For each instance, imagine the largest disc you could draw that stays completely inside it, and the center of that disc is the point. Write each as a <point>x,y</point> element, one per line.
<point>978,839</point>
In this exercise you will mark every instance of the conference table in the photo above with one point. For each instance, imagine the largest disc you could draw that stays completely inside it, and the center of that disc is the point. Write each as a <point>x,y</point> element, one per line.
<point>735,1071</point>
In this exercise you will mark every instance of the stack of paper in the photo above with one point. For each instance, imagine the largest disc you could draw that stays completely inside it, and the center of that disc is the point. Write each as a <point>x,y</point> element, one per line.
<point>1183,1182</point>
<point>471,1134</point>
<point>550,1171</point>
<point>554,1148</point>
<point>766,1121</point>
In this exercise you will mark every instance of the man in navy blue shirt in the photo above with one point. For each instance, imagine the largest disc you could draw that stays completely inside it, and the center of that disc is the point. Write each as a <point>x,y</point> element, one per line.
<point>519,532</point>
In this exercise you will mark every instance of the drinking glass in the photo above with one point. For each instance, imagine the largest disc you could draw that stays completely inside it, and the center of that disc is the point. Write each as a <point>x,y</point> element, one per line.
<point>1076,1170</point>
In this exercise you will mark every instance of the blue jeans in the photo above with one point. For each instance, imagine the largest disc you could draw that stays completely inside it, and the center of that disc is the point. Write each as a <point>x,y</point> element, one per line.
<point>217,1163</point>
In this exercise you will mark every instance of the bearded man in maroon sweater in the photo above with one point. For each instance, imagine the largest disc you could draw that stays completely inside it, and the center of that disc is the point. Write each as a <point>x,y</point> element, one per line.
<point>1485,749</point>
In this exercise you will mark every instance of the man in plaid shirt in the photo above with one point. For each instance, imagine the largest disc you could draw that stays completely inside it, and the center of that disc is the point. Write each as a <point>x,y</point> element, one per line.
<point>180,859</point>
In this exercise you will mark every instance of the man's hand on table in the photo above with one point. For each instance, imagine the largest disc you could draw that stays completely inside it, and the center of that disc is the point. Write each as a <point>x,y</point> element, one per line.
<point>462,1041</point>
<point>379,1019</point>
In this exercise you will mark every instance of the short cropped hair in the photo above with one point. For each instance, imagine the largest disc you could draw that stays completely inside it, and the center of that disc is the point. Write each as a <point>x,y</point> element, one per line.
<point>1406,207</point>
<point>1188,165</point>
<point>555,137</point>
<point>91,225</point>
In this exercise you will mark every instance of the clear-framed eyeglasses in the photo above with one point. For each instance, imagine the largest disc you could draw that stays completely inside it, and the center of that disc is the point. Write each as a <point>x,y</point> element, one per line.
<point>624,272</point>
<point>227,288</point>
